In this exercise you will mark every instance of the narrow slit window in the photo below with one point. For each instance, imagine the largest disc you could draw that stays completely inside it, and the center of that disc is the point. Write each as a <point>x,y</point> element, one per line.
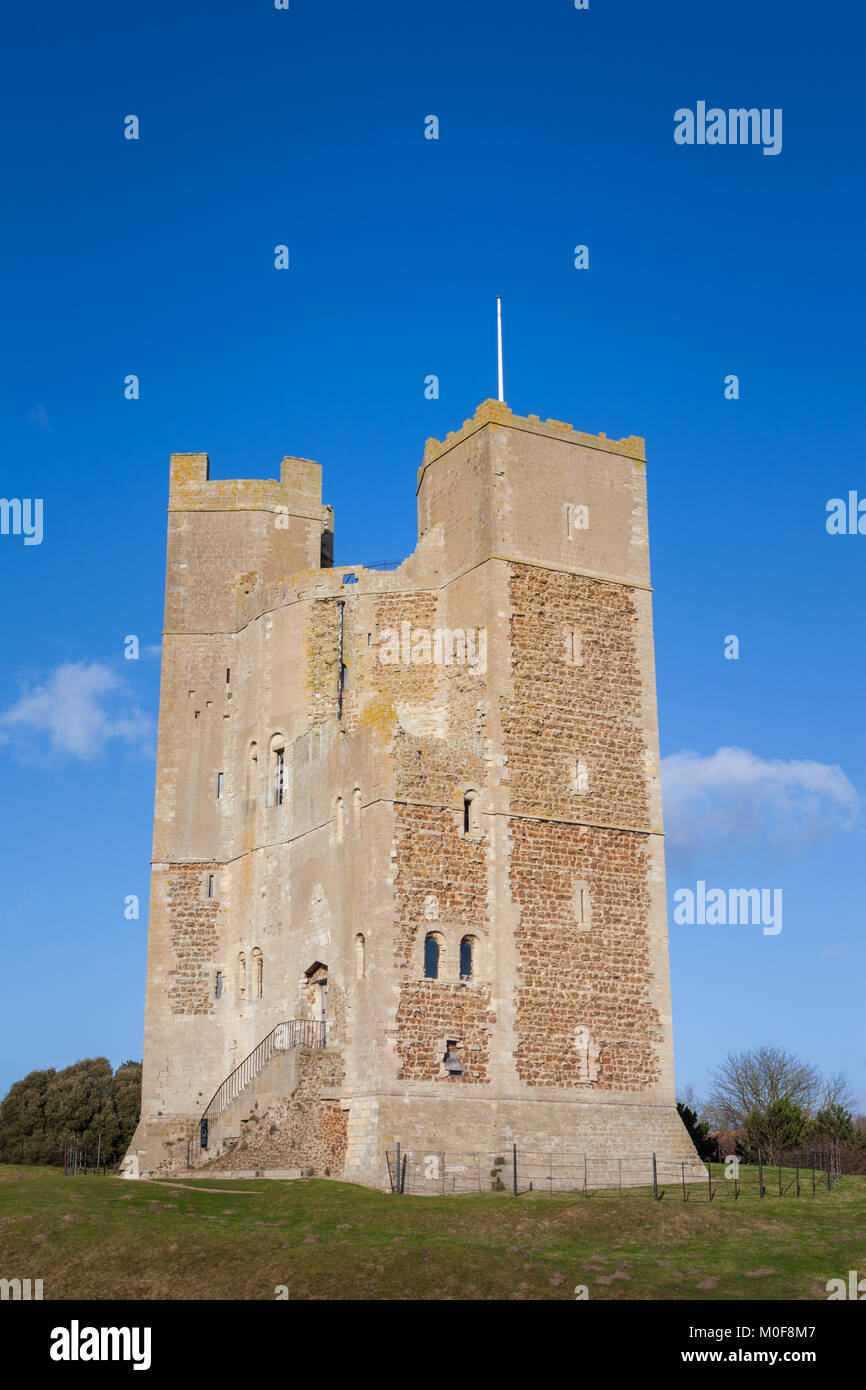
<point>220,781</point>
<point>210,885</point>
<point>242,978</point>
<point>219,984</point>
<point>279,775</point>
<point>573,647</point>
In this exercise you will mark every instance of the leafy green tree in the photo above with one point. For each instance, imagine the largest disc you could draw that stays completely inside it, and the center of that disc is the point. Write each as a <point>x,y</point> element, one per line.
<point>832,1122</point>
<point>780,1125</point>
<point>23,1124</point>
<point>697,1131</point>
<point>86,1100</point>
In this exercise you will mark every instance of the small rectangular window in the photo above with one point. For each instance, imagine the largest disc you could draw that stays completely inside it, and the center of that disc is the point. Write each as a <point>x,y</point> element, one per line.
<point>228,674</point>
<point>219,984</point>
<point>210,885</point>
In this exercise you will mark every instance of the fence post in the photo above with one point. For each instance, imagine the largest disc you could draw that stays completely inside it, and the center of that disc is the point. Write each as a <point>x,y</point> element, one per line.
<point>397,1184</point>
<point>619,1161</point>
<point>760,1172</point>
<point>514,1167</point>
<point>683,1166</point>
<point>442,1156</point>
<point>403,1175</point>
<point>655,1181</point>
<point>584,1175</point>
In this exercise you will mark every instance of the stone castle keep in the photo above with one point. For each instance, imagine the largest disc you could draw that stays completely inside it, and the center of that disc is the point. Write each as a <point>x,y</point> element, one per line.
<point>408,829</point>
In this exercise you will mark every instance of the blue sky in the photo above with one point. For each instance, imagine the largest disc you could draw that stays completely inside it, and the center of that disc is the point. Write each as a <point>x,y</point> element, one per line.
<point>305,127</point>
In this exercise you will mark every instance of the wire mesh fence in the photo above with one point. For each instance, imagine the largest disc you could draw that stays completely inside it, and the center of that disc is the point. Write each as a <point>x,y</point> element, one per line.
<point>630,1176</point>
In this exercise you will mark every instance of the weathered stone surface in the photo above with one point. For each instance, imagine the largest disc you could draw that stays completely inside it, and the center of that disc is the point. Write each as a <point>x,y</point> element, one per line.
<point>510,803</point>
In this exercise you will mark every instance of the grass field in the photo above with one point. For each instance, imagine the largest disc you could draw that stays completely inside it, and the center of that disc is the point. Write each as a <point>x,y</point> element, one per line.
<point>108,1238</point>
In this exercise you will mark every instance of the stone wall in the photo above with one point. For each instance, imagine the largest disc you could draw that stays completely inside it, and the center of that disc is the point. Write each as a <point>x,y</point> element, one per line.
<point>305,1130</point>
<point>563,1029</point>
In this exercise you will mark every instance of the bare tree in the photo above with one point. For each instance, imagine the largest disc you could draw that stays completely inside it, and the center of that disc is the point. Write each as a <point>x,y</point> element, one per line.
<point>751,1081</point>
<point>689,1097</point>
<point>837,1091</point>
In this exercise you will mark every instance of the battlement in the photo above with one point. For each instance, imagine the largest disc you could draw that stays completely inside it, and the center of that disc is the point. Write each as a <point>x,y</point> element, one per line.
<point>192,489</point>
<point>492,412</point>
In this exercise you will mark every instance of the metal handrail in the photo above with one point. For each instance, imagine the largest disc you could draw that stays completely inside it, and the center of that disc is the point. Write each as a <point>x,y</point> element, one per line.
<point>295,1032</point>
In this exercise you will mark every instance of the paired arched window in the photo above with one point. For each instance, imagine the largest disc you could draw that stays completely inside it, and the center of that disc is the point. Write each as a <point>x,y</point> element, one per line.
<point>468,959</point>
<point>432,956</point>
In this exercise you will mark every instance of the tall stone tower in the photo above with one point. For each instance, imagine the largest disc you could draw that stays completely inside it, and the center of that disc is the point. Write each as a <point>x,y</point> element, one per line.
<point>413,815</point>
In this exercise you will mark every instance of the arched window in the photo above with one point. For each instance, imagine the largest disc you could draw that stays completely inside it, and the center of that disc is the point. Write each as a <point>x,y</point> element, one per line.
<point>360,956</point>
<point>279,756</point>
<point>467,957</point>
<point>242,978</point>
<point>471,817</point>
<point>253,772</point>
<point>431,956</point>
<point>258,968</point>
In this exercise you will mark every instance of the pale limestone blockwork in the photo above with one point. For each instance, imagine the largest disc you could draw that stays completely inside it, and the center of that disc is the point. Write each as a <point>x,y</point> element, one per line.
<point>508,807</point>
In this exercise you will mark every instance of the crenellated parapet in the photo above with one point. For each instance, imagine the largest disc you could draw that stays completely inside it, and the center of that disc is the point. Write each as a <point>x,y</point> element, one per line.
<point>492,412</point>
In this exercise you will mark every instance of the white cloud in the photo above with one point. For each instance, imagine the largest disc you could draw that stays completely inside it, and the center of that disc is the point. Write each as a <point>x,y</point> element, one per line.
<point>733,797</point>
<point>76,711</point>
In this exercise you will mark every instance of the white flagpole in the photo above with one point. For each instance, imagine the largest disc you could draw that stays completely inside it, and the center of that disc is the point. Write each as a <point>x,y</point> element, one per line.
<point>499,341</point>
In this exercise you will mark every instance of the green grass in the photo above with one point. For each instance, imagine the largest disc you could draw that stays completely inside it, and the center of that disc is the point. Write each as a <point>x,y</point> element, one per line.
<point>107,1238</point>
